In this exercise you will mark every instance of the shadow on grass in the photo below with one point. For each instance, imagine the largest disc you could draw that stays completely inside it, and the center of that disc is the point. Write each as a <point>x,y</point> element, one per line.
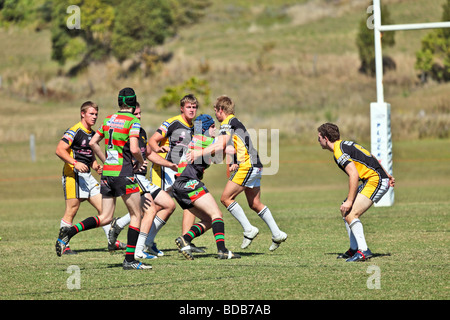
<point>374,255</point>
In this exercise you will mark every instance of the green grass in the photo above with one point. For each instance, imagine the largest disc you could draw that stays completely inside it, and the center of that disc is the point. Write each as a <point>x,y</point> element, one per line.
<point>410,239</point>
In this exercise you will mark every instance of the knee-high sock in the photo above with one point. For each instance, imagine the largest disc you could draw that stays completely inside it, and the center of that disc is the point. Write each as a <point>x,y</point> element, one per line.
<point>157,224</point>
<point>237,212</point>
<point>195,231</point>
<point>132,237</point>
<point>351,236</point>
<point>218,228</point>
<point>86,224</point>
<point>266,215</point>
<point>358,231</point>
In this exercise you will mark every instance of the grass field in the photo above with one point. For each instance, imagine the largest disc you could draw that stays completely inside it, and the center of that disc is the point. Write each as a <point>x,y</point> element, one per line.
<point>410,239</point>
<point>309,77</point>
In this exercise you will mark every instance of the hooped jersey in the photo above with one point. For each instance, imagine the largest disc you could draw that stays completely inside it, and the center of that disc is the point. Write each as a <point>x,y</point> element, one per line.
<point>117,129</point>
<point>366,164</point>
<point>195,170</point>
<point>246,155</point>
<point>78,137</point>
<point>177,134</point>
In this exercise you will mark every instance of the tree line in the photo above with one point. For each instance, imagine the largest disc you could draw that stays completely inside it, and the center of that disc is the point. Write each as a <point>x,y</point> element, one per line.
<point>120,28</point>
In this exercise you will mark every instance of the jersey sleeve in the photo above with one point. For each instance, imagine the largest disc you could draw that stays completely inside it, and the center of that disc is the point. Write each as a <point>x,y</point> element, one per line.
<point>341,156</point>
<point>164,128</point>
<point>135,128</point>
<point>68,136</point>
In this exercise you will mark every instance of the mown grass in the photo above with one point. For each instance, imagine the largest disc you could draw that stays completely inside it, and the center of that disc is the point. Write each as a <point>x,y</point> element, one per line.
<point>409,239</point>
<point>310,77</point>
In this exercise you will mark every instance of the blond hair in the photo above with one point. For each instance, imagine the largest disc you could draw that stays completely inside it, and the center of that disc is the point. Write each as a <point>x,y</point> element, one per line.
<point>88,104</point>
<point>189,98</point>
<point>224,103</point>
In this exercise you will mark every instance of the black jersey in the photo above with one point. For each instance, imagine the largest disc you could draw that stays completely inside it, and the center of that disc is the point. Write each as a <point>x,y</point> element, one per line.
<point>78,137</point>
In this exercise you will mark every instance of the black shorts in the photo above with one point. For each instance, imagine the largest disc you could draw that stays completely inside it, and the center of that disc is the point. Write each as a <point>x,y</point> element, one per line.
<point>186,190</point>
<point>118,186</point>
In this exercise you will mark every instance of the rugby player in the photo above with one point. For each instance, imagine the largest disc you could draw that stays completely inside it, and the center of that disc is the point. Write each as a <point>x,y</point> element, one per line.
<point>78,183</point>
<point>360,165</point>
<point>246,175</point>
<point>192,195</point>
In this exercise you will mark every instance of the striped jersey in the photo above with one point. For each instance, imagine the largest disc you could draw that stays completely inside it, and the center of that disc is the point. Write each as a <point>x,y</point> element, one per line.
<point>177,134</point>
<point>195,170</point>
<point>78,137</point>
<point>246,155</point>
<point>117,130</point>
<point>366,164</point>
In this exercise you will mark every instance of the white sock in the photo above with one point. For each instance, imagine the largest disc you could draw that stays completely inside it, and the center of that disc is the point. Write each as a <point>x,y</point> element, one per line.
<point>141,242</point>
<point>358,231</point>
<point>266,215</point>
<point>124,221</point>
<point>64,224</point>
<point>237,212</point>
<point>157,224</point>
<point>106,228</point>
<point>351,236</point>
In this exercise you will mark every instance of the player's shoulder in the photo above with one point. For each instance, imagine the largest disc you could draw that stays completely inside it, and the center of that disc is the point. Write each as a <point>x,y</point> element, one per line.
<point>176,121</point>
<point>76,128</point>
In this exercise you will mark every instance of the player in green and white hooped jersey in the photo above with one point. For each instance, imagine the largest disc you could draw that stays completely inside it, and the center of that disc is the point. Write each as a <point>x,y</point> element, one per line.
<point>191,194</point>
<point>121,133</point>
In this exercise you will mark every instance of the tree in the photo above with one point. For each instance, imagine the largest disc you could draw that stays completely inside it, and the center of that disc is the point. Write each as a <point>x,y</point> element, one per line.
<point>123,28</point>
<point>141,25</point>
<point>366,43</point>
<point>434,57</point>
<point>91,41</point>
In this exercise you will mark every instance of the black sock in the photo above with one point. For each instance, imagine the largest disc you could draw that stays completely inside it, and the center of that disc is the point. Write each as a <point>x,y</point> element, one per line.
<point>195,231</point>
<point>132,238</point>
<point>218,228</point>
<point>86,224</point>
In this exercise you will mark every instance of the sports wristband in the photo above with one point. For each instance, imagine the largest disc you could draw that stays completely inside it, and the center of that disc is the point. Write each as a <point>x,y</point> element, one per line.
<point>75,162</point>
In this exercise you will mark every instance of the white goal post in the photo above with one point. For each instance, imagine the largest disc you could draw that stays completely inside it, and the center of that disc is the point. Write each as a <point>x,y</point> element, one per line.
<point>380,111</point>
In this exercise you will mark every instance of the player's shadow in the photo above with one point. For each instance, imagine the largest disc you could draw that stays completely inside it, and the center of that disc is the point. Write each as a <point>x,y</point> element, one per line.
<point>374,255</point>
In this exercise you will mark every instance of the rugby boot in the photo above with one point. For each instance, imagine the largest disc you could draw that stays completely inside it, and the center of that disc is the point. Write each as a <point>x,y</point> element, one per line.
<point>360,256</point>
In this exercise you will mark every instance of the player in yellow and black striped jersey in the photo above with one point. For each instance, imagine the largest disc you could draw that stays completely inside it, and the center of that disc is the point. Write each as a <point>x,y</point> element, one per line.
<point>170,141</point>
<point>246,173</point>
<point>360,165</point>
<point>78,183</point>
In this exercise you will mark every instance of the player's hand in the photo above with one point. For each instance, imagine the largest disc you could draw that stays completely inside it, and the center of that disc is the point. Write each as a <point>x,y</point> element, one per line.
<point>81,167</point>
<point>391,181</point>
<point>233,167</point>
<point>345,208</point>
<point>191,156</point>
<point>138,166</point>
<point>174,167</point>
<point>99,169</point>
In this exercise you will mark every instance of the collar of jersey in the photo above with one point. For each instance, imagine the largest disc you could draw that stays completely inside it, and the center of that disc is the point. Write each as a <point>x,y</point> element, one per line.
<point>180,117</point>
<point>227,119</point>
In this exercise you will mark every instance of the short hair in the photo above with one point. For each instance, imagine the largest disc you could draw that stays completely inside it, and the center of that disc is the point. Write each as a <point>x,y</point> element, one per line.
<point>189,98</point>
<point>88,104</point>
<point>330,131</point>
<point>224,103</point>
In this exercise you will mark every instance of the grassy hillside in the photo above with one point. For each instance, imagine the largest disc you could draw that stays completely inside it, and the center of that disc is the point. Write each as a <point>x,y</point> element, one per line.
<point>290,65</point>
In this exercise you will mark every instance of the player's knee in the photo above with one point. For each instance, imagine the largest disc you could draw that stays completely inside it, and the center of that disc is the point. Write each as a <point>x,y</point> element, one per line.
<point>224,200</point>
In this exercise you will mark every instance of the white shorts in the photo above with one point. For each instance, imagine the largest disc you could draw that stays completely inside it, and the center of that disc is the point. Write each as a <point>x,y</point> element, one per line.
<point>169,179</point>
<point>80,185</point>
<point>146,186</point>
<point>247,177</point>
